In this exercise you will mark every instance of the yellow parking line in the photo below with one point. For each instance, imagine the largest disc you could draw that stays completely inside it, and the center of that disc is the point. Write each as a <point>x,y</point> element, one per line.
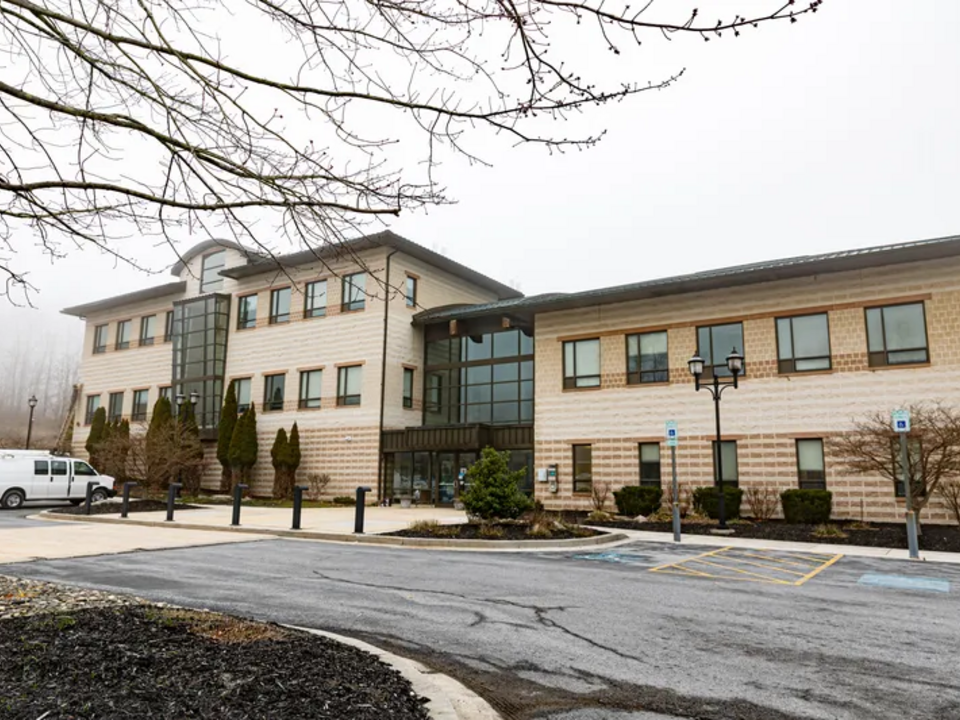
<point>678,570</point>
<point>761,565</point>
<point>780,560</point>
<point>680,562</point>
<point>765,578</point>
<point>809,556</point>
<point>820,569</point>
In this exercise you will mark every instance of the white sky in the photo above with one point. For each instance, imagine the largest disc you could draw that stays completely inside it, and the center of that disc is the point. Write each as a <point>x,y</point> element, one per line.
<point>840,131</point>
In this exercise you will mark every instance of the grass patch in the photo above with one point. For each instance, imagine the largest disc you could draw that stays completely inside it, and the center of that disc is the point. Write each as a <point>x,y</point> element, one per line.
<point>826,530</point>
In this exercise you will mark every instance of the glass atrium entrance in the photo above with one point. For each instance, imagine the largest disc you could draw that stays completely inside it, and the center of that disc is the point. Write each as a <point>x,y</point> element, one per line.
<point>439,477</point>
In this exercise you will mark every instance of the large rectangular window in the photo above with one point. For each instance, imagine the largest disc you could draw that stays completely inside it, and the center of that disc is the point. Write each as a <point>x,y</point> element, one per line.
<point>315,299</point>
<point>715,342</point>
<point>280,306</point>
<point>165,392</point>
<point>273,389</point>
<point>310,381</point>
<point>168,327</point>
<point>123,335</point>
<point>247,312</point>
<point>647,358</point>
<point>650,464</point>
<point>93,404</point>
<point>243,388</point>
<point>810,467</point>
<point>115,407</point>
<point>731,469</point>
<point>148,329</point>
<point>354,292</point>
<point>411,291</point>
<point>139,410</point>
<point>100,339</point>
<point>349,384</point>
<point>408,387</point>
<point>582,468</point>
<point>210,278</point>
<point>803,343</point>
<point>581,363</point>
<point>897,335</point>
<point>200,329</point>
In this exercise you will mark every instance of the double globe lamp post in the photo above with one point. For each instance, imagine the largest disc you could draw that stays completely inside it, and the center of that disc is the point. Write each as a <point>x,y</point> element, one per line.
<point>194,396</point>
<point>735,366</point>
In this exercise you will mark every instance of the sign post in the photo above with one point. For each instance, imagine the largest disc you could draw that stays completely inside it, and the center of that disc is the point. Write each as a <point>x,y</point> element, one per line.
<point>901,425</point>
<point>672,438</point>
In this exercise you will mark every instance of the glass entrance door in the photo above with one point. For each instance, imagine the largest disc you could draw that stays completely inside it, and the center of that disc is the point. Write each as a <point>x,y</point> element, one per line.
<point>446,477</point>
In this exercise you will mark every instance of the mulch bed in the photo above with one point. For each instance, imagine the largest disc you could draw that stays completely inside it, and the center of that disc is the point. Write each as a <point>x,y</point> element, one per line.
<point>885,535</point>
<point>111,506</point>
<point>148,661</point>
<point>494,531</point>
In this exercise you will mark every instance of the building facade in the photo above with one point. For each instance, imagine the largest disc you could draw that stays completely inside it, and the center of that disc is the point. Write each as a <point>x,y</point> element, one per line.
<point>575,386</point>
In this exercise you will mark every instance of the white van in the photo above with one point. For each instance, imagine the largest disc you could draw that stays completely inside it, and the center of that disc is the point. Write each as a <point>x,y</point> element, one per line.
<point>35,475</point>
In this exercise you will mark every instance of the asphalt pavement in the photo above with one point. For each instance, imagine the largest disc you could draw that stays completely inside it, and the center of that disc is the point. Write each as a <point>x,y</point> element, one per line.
<point>598,636</point>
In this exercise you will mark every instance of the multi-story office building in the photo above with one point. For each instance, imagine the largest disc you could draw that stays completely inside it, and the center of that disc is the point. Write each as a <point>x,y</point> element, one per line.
<point>403,393</point>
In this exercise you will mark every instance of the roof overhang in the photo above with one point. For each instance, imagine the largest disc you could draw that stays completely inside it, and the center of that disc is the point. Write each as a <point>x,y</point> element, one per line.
<point>151,293</point>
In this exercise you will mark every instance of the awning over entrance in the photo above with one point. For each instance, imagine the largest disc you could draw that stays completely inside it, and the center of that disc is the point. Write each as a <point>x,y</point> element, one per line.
<point>458,437</point>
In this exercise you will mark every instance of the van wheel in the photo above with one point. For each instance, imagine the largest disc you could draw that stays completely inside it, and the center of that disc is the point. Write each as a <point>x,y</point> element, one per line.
<point>13,500</point>
<point>99,495</point>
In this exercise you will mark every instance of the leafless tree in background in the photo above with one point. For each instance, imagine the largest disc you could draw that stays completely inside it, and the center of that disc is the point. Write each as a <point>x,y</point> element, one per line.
<point>152,119</point>
<point>41,365</point>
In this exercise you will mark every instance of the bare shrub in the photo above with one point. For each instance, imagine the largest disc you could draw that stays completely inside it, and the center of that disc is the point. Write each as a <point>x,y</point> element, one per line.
<point>318,482</point>
<point>762,502</point>
<point>949,490</point>
<point>600,495</point>
<point>171,457</point>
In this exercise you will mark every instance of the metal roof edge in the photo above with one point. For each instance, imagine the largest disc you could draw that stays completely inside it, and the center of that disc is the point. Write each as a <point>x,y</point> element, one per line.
<point>150,293</point>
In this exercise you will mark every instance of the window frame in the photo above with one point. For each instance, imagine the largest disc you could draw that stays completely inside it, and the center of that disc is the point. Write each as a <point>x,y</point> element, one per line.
<point>120,344</point>
<point>576,463</point>
<point>269,388</point>
<point>88,412</point>
<point>168,327</point>
<point>788,366</point>
<point>649,481</point>
<point>165,391</point>
<point>637,377</point>
<point>244,322</point>
<point>574,381</point>
<point>344,399</point>
<point>137,414</point>
<point>736,456</point>
<point>110,414</point>
<point>872,360</point>
<point>408,372</point>
<point>708,367</point>
<point>308,295</point>
<point>808,483</point>
<point>144,322</point>
<point>305,403</point>
<point>277,318</point>
<point>242,407</point>
<point>412,285</point>
<point>355,305</point>
<point>100,343</point>
<point>206,285</point>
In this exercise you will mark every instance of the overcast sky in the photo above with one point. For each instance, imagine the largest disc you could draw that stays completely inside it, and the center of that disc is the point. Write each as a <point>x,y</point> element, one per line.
<point>840,131</point>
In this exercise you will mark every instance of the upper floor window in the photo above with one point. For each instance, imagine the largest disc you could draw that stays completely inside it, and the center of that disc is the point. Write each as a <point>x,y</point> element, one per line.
<point>148,329</point>
<point>310,382</point>
<point>246,312</point>
<point>650,464</point>
<point>354,293</point>
<point>315,299</point>
<point>715,342</point>
<point>273,387</point>
<point>168,327</point>
<point>349,383</point>
<point>280,306</point>
<point>139,410</point>
<point>897,334</point>
<point>810,468</point>
<point>210,278</point>
<point>803,343</point>
<point>728,456</point>
<point>582,468</point>
<point>242,387</point>
<point>93,404</point>
<point>408,387</point>
<point>123,335</point>
<point>647,358</point>
<point>115,408</point>
<point>411,291</point>
<point>100,339</point>
<point>581,363</point>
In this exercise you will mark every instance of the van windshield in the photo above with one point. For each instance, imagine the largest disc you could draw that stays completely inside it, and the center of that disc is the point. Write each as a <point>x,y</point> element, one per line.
<point>81,468</point>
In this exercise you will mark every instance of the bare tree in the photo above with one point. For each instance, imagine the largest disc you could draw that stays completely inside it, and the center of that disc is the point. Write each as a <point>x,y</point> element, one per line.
<point>600,495</point>
<point>762,501</point>
<point>873,448</point>
<point>170,457</point>
<point>949,490</point>
<point>128,119</point>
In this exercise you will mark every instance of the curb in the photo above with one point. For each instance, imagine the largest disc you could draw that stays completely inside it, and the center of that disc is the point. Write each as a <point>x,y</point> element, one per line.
<point>427,543</point>
<point>448,699</point>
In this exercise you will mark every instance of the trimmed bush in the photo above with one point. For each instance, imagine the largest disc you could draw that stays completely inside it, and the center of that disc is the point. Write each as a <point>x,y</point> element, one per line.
<point>344,500</point>
<point>494,491</point>
<point>634,500</point>
<point>706,501</point>
<point>807,507</point>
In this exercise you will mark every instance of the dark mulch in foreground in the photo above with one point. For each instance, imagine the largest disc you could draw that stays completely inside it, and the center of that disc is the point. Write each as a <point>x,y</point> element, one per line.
<point>494,531</point>
<point>104,508</point>
<point>886,535</point>
<point>149,662</point>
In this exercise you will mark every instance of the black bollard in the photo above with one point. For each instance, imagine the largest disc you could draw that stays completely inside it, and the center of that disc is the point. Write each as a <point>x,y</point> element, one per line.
<point>237,497</point>
<point>297,504</point>
<point>127,487</point>
<point>358,520</point>
<point>171,499</point>
<point>89,500</point>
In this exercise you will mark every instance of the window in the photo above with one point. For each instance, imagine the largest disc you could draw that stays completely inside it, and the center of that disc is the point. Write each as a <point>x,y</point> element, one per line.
<point>100,339</point>
<point>349,381</point>
<point>582,468</point>
<point>715,342</point>
<point>41,467</point>
<point>273,386</point>
<point>810,468</point>
<point>247,312</point>
<point>139,411</point>
<point>115,407</point>
<point>93,404</point>
<point>647,358</point>
<point>914,458</point>
<point>310,388</point>
<point>165,392</point>
<point>408,387</point>
<point>354,296</point>
<point>650,464</point>
<point>123,335</point>
<point>280,306</point>
<point>243,389</point>
<point>148,328</point>
<point>803,343</point>
<point>58,467</point>
<point>168,327</point>
<point>411,291</point>
<point>81,468</point>
<point>731,472</point>
<point>210,278</point>
<point>315,299</point>
<point>897,334</point>
<point>581,363</point>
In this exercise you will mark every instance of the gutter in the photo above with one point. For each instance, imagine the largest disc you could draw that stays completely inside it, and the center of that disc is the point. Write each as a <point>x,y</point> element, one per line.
<point>383,380</point>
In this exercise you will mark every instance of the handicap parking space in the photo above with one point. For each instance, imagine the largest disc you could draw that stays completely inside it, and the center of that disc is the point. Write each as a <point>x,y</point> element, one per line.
<point>776,567</point>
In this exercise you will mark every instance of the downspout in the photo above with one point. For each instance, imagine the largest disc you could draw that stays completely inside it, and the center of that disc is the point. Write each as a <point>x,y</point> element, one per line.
<point>383,381</point>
